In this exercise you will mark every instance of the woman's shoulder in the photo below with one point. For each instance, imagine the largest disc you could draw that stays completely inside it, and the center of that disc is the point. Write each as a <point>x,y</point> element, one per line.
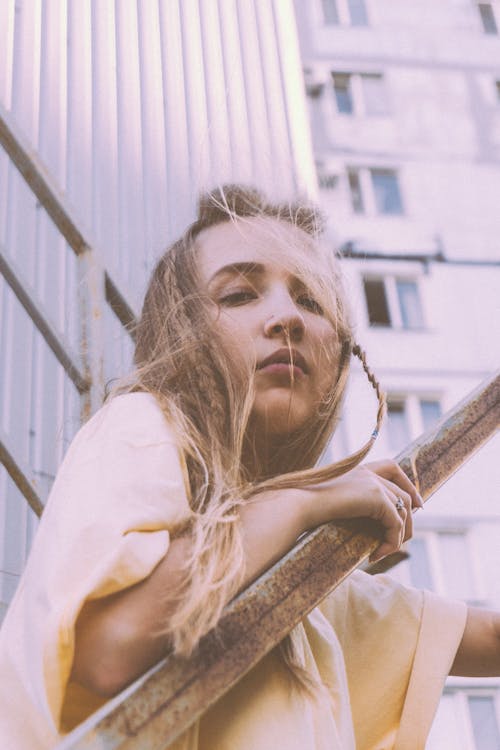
<point>130,416</point>
<point>127,450</point>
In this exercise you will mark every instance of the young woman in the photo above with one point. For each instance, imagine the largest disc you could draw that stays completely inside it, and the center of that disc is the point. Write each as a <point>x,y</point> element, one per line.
<point>198,475</point>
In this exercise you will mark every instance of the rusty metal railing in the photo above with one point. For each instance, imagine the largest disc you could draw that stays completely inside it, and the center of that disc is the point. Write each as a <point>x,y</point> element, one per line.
<point>96,289</point>
<point>158,707</point>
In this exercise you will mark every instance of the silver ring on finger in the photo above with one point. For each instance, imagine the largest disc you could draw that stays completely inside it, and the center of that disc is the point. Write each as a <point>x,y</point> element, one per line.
<point>399,504</point>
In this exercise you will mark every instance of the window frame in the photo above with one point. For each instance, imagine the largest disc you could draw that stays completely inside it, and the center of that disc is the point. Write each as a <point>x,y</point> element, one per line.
<point>460,694</point>
<point>494,29</point>
<point>435,554</point>
<point>368,191</point>
<point>357,93</point>
<point>412,401</point>
<point>390,281</point>
<point>384,173</point>
<point>349,93</point>
<point>343,14</point>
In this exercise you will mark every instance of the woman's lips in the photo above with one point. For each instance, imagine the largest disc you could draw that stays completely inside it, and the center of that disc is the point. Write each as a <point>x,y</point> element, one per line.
<point>284,369</point>
<point>284,361</point>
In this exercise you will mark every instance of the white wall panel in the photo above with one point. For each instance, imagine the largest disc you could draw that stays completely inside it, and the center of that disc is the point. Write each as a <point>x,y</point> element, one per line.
<point>236,103</point>
<point>134,107</point>
<point>155,200</point>
<point>175,119</point>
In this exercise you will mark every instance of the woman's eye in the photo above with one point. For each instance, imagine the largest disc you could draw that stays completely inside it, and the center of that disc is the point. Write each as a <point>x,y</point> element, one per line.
<point>233,299</point>
<point>309,303</point>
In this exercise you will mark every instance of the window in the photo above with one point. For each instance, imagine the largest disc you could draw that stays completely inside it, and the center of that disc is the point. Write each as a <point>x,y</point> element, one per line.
<point>357,11</point>
<point>467,717</point>
<point>398,429</point>
<point>330,12</point>
<point>374,94</point>
<point>393,302</point>
<point>409,304</point>
<point>497,88</point>
<point>376,302</point>
<point>342,90</point>
<point>488,18</point>
<point>386,190</point>
<point>456,565</point>
<point>419,564</point>
<point>440,561</point>
<point>484,722</point>
<point>431,412</point>
<point>375,191</point>
<point>344,12</point>
<point>360,94</point>
<point>408,416</point>
<point>355,189</point>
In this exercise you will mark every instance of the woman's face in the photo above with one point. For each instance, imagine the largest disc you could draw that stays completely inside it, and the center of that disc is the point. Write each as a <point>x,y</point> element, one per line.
<point>270,323</point>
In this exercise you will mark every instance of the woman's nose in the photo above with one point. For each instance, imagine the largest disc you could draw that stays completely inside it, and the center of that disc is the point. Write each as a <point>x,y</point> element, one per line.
<point>285,320</point>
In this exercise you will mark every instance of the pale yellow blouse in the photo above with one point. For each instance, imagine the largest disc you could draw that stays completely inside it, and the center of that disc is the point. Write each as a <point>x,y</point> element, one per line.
<point>382,650</point>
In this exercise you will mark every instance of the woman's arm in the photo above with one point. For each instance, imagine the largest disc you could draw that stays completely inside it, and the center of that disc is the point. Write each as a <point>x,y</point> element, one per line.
<point>119,637</point>
<point>479,652</point>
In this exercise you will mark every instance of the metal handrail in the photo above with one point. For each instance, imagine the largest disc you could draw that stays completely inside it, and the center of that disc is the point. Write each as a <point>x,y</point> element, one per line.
<point>152,712</point>
<point>97,288</point>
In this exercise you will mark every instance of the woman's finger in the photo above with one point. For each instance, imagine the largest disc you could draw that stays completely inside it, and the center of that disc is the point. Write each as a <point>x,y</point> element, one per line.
<point>400,497</point>
<point>394,524</point>
<point>392,471</point>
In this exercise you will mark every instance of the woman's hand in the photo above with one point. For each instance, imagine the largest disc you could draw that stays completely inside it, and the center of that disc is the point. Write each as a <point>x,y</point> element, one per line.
<point>120,636</point>
<point>373,490</point>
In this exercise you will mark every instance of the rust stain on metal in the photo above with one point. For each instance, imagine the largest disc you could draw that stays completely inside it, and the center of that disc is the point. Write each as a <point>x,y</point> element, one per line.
<point>435,456</point>
<point>166,701</point>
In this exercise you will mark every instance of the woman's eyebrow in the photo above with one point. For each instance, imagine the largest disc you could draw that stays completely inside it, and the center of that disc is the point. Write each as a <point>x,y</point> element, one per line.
<point>242,268</point>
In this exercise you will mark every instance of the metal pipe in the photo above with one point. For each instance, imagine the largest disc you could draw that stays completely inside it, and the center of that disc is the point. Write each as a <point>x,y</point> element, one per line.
<point>27,162</point>
<point>57,343</point>
<point>19,474</point>
<point>152,712</point>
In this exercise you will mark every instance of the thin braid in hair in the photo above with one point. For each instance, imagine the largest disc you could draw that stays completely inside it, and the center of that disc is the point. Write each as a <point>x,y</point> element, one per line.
<point>315,475</point>
<point>382,405</point>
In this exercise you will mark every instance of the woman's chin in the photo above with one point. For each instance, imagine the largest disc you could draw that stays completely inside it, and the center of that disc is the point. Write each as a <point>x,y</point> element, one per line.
<point>279,420</point>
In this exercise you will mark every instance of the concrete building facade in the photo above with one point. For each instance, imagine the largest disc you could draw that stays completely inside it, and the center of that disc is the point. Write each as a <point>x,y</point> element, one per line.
<point>404,104</point>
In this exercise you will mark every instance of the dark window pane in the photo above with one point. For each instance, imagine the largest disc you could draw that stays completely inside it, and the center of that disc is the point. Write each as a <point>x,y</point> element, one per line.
<point>431,412</point>
<point>357,11</point>
<point>376,302</point>
<point>330,14</point>
<point>386,189</point>
<point>488,18</point>
<point>342,89</point>
<point>356,195</point>
<point>420,568</point>
<point>397,425</point>
<point>484,722</point>
<point>409,304</point>
<point>497,85</point>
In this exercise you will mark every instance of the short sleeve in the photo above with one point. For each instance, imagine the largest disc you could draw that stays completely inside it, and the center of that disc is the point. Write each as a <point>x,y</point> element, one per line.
<point>121,491</point>
<point>398,644</point>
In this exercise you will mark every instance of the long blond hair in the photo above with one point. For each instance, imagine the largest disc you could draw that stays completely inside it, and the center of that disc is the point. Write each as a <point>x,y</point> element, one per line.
<point>180,361</point>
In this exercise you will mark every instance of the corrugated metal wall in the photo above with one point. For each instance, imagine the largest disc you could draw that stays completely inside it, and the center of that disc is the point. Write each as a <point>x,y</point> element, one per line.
<point>133,106</point>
